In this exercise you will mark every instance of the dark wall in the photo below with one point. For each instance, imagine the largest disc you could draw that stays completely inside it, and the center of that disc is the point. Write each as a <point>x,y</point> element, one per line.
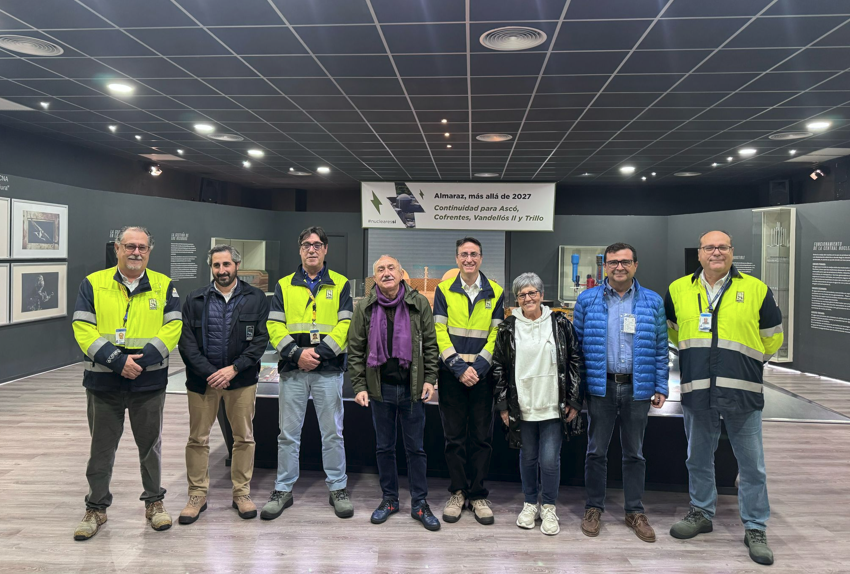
<point>654,200</point>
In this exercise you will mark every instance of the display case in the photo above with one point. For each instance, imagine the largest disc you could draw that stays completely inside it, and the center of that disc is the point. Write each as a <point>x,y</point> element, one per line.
<point>260,261</point>
<point>579,267</point>
<point>775,232</point>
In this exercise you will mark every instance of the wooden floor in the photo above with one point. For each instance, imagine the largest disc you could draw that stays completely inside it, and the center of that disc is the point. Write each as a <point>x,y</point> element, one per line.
<point>830,393</point>
<point>42,484</point>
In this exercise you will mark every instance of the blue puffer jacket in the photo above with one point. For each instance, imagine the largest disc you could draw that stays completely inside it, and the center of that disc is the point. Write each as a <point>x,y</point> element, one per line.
<point>650,369</point>
<point>218,324</point>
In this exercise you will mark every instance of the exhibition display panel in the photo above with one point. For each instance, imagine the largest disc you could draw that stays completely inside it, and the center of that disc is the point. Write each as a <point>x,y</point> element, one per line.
<point>580,267</point>
<point>776,229</point>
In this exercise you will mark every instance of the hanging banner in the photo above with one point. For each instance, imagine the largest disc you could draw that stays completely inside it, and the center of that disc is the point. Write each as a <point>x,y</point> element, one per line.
<point>490,206</point>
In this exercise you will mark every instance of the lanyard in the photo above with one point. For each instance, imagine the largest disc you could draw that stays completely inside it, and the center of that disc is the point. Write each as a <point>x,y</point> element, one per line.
<point>127,297</point>
<point>711,302</point>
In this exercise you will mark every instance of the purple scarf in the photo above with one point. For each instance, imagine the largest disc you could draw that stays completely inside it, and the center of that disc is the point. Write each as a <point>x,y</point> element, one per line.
<point>402,342</point>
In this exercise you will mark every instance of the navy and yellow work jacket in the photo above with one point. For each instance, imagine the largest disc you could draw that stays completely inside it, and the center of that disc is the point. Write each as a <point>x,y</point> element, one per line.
<point>152,319</point>
<point>466,330</point>
<point>723,368</point>
<point>294,310</point>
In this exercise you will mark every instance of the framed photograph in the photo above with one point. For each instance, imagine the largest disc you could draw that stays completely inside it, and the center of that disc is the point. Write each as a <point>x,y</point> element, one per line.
<point>39,291</point>
<point>39,230</point>
<point>4,227</point>
<point>4,293</point>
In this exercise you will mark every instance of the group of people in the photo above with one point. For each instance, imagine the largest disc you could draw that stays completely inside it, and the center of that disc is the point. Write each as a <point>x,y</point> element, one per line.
<point>535,368</point>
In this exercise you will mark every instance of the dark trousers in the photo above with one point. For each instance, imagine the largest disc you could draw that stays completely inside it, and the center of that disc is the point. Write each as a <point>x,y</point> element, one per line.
<point>106,425</point>
<point>540,460</point>
<point>467,415</point>
<point>396,404</point>
<point>602,413</point>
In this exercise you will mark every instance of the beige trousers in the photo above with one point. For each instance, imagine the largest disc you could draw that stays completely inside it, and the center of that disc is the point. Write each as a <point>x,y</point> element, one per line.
<point>239,405</point>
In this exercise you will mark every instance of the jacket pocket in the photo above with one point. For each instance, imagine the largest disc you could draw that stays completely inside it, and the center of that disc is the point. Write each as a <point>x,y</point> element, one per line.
<point>247,326</point>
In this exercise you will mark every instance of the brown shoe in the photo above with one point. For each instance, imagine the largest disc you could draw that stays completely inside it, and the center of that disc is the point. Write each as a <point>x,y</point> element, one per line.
<point>640,524</point>
<point>481,510</point>
<point>454,507</point>
<point>245,506</point>
<point>155,512</point>
<point>592,522</point>
<point>193,509</point>
<point>90,524</point>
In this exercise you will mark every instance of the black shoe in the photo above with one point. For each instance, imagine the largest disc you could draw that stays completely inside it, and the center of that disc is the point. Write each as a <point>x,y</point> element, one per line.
<point>422,512</point>
<point>388,506</point>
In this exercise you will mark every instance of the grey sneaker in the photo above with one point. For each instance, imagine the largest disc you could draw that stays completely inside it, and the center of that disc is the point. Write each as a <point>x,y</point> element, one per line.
<point>756,541</point>
<point>341,502</point>
<point>278,501</point>
<point>454,507</point>
<point>90,524</point>
<point>694,523</point>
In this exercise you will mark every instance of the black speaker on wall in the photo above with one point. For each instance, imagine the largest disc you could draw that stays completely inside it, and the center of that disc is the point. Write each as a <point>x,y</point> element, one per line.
<point>779,193</point>
<point>212,191</point>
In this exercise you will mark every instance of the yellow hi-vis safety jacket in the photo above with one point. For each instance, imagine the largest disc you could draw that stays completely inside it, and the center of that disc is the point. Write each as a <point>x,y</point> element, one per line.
<point>466,331</point>
<point>294,310</point>
<point>723,368</point>
<point>152,319</point>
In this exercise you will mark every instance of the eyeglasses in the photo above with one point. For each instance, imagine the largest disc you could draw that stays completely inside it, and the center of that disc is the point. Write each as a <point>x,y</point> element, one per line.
<point>307,245</point>
<point>465,255</point>
<point>527,295</point>
<point>130,247</point>
<point>720,248</point>
<point>613,263</point>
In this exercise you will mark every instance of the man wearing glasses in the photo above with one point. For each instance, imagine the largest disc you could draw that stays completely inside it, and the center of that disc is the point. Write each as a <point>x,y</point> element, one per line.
<point>622,331</point>
<point>467,310</point>
<point>127,320</point>
<point>308,325</point>
<point>726,325</point>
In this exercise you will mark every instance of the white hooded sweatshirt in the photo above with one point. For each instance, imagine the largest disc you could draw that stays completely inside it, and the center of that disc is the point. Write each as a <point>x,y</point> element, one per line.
<point>536,370</point>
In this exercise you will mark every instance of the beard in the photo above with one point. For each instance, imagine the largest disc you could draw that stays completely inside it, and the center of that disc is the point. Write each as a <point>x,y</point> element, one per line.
<point>225,280</point>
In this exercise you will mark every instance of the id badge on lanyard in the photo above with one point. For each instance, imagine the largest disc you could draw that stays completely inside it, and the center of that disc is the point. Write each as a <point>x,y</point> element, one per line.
<point>705,322</point>
<point>121,334</point>
<point>314,329</point>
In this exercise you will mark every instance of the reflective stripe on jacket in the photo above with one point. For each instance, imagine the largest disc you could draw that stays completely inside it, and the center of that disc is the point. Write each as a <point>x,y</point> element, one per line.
<point>723,368</point>
<point>151,316</point>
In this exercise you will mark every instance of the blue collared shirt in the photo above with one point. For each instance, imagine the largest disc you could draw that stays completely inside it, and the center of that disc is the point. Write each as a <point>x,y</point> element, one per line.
<point>619,345</point>
<point>313,284</point>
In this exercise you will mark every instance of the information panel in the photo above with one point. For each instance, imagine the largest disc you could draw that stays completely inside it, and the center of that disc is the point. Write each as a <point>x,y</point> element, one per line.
<point>488,206</point>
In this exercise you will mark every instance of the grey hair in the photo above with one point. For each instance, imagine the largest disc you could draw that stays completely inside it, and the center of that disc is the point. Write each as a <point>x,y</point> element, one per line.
<point>221,248</point>
<point>375,264</point>
<point>704,233</point>
<point>526,280</point>
<point>127,228</point>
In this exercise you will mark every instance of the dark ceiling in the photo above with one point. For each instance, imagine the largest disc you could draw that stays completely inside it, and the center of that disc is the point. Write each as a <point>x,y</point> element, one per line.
<point>361,86</point>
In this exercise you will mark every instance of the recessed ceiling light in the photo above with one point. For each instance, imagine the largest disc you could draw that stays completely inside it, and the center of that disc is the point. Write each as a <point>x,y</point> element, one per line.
<point>444,121</point>
<point>687,173</point>
<point>204,128</point>
<point>246,163</point>
<point>447,134</point>
<point>113,129</point>
<point>449,145</point>
<point>643,178</point>
<point>256,153</point>
<point>653,174</point>
<point>790,135</point>
<point>30,46</point>
<point>714,164</point>
<point>138,137</point>
<point>730,158</point>
<point>486,174</point>
<point>180,151</point>
<point>627,169</point>
<point>44,105</point>
<point>512,38</point>
<point>120,88</point>
<point>585,174</point>
<point>792,151</point>
<point>323,169</point>
<point>298,172</point>
<point>747,151</point>
<point>819,125</point>
<point>493,137</point>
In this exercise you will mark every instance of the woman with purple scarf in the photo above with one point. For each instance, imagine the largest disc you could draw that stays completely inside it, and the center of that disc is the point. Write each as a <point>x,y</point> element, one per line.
<point>392,358</point>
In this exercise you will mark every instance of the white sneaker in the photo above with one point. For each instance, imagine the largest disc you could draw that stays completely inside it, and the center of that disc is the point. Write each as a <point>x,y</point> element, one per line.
<point>550,525</point>
<point>526,518</point>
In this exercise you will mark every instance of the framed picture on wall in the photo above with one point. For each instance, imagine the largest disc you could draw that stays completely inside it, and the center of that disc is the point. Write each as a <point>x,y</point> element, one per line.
<point>4,293</point>
<point>39,230</point>
<point>39,291</point>
<point>4,227</point>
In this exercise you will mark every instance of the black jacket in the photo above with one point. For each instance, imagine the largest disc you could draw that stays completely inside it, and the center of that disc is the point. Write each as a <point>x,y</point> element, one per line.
<point>247,341</point>
<point>569,381</point>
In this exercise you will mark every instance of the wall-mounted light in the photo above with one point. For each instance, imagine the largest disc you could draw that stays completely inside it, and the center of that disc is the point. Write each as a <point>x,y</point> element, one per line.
<point>154,169</point>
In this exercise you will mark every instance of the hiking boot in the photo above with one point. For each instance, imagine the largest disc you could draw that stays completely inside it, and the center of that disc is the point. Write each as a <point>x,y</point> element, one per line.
<point>549,526</point>
<point>422,512</point>
<point>454,507</point>
<point>388,506</point>
<point>638,522</point>
<point>193,509</point>
<point>481,511</point>
<point>592,522</point>
<point>527,516</point>
<point>155,512</point>
<point>245,507</point>
<point>692,524</point>
<point>341,502</point>
<point>90,524</point>
<point>278,501</point>
<point>756,541</point>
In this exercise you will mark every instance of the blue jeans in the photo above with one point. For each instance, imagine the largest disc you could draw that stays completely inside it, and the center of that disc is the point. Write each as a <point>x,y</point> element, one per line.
<point>744,429</point>
<point>397,405</point>
<point>326,389</point>
<point>602,413</point>
<point>540,459</point>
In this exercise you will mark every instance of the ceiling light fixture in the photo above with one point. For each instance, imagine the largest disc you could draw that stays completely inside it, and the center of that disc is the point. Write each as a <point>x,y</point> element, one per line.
<point>730,158</point>
<point>204,128</point>
<point>512,38</point>
<point>792,151</point>
<point>323,169</point>
<point>113,129</point>
<point>225,137</point>
<point>818,125</point>
<point>44,105</point>
<point>298,172</point>
<point>643,178</point>
<point>444,121</point>
<point>687,173</point>
<point>790,135</point>
<point>486,174</point>
<point>585,174</point>
<point>180,151</point>
<point>494,137</point>
<point>256,153</point>
<point>30,46</point>
<point>747,152</point>
<point>449,145</point>
<point>139,138</point>
<point>154,169</point>
<point>627,169</point>
<point>447,134</point>
<point>714,164</point>
<point>246,163</point>
<point>120,88</point>
<point>653,174</point>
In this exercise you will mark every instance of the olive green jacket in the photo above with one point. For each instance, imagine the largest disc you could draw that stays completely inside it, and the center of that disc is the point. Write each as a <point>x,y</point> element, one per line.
<point>423,368</point>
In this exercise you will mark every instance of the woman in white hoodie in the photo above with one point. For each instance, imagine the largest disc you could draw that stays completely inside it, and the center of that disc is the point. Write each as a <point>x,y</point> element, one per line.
<point>538,394</point>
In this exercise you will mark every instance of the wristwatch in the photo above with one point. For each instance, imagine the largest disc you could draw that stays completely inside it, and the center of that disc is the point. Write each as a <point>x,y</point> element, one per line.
<point>235,368</point>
